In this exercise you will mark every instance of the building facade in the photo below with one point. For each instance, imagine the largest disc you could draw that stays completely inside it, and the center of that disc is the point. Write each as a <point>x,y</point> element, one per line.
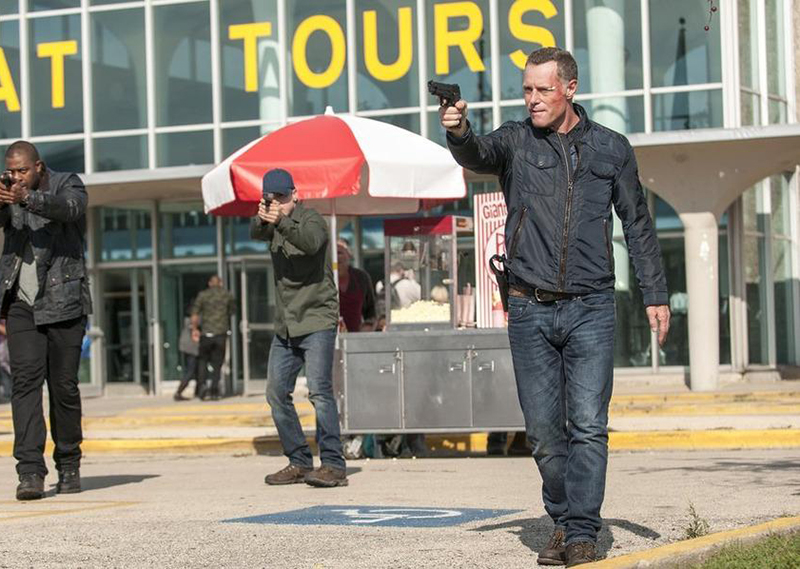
<point>141,97</point>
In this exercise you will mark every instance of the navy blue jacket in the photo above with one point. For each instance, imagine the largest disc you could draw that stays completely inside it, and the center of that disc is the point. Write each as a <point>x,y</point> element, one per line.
<point>559,225</point>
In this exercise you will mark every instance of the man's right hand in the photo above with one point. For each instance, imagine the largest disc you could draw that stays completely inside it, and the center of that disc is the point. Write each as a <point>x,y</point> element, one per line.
<point>269,213</point>
<point>454,118</point>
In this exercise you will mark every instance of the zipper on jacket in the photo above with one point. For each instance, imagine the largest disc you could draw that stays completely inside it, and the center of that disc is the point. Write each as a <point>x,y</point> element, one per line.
<point>515,236</point>
<point>608,245</point>
<point>562,272</point>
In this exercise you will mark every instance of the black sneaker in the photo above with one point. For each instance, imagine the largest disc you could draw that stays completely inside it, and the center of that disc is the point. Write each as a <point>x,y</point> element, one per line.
<point>581,552</point>
<point>31,487</point>
<point>69,481</point>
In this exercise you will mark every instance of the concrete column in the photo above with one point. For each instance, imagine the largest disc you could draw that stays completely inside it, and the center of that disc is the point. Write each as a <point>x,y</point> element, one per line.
<point>269,107</point>
<point>605,30</point>
<point>701,242</point>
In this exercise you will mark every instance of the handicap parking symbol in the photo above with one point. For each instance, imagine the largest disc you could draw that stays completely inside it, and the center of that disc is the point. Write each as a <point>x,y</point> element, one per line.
<point>376,516</point>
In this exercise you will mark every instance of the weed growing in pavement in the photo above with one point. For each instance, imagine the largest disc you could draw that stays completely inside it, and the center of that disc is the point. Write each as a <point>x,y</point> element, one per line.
<point>697,526</point>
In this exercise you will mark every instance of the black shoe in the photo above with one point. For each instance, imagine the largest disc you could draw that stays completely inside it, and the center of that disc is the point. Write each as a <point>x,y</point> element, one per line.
<point>179,397</point>
<point>581,552</point>
<point>69,481</point>
<point>31,487</point>
<point>554,552</point>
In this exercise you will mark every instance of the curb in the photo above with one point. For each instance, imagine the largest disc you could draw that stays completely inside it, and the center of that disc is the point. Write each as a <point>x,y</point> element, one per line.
<point>449,445</point>
<point>692,551</point>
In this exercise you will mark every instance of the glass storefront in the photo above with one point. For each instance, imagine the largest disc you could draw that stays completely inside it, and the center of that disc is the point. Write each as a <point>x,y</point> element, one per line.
<point>171,83</point>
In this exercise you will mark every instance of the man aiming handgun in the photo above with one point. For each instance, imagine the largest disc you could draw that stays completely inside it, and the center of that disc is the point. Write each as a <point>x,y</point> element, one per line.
<point>561,174</point>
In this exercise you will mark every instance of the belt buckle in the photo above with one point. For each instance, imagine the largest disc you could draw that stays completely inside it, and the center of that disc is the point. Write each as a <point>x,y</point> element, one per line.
<point>536,292</point>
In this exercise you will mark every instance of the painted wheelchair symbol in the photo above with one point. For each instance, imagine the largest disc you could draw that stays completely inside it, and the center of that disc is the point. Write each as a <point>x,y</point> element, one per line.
<point>377,515</point>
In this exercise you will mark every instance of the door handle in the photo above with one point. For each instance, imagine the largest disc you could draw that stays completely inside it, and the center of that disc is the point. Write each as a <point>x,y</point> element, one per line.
<point>458,366</point>
<point>486,366</point>
<point>387,369</point>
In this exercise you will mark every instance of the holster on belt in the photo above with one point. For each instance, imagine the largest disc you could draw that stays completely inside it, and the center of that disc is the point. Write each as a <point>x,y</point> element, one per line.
<point>501,276</point>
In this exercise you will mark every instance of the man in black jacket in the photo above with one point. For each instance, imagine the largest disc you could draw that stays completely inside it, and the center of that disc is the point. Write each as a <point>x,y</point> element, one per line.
<point>560,174</point>
<point>45,299</point>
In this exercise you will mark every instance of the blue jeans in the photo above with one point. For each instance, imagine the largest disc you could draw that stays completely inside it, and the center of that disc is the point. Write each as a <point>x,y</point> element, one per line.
<point>286,359</point>
<point>563,354</point>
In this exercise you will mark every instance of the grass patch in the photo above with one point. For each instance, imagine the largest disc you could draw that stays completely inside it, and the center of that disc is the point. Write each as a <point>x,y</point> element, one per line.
<point>774,552</point>
<point>697,527</point>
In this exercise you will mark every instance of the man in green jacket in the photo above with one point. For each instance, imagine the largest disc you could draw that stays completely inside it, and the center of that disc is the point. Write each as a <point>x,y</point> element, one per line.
<point>306,318</point>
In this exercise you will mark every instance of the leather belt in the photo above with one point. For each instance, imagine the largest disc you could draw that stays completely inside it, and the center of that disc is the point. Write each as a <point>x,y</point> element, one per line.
<point>538,294</point>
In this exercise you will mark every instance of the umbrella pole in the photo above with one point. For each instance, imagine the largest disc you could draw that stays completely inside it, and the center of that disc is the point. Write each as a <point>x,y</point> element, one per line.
<point>334,249</point>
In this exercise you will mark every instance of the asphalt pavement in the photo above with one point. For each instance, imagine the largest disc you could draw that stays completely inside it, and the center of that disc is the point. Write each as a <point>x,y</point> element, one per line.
<point>172,510</point>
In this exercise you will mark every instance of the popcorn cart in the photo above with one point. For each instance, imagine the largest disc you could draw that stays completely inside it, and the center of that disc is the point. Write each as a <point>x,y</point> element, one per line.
<point>431,370</point>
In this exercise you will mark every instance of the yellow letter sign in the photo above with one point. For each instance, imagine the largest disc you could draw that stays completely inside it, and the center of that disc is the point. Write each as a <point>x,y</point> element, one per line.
<point>8,92</point>
<point>525,32</point>
<point>57,51</point>
<point>464,39</point>
<point>399,68</point>
<point>250,34</point>
<point>338,51</point>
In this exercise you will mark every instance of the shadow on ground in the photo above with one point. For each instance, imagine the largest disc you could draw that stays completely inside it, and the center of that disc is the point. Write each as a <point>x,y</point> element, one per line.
<point>100,482</point>
<point>535,532</point>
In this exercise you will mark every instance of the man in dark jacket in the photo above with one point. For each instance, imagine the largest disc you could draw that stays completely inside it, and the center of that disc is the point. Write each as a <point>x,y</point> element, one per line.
<point>306,318</point>
<point>211,320</point>
<point>560,174</point>
<point>45,298</point>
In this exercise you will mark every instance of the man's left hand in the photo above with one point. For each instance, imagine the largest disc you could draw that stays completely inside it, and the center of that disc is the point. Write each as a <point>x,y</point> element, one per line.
<point>659,321</point>
<point>15,194</point>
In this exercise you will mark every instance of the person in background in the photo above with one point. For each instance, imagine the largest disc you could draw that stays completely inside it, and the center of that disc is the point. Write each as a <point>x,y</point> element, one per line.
<point>189,347</point>
<point>356,294</point>
<point>211,321</point>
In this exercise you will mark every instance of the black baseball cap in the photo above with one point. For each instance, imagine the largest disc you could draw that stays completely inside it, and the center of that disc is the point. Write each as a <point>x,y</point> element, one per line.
<point>278,181</point>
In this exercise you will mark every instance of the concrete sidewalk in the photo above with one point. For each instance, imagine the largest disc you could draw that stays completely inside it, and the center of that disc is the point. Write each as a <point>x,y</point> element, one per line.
<point>741,415</point>
<point>174,511</point>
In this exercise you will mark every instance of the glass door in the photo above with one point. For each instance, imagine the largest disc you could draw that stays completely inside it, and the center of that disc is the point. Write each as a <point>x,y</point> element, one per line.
<point>254,283</point>
<point>127,312</point>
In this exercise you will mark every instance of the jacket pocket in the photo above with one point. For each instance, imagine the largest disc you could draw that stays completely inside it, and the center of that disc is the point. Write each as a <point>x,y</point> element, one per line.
<point>64,292</point>
<point>599,187</point>
<point>537,173</point>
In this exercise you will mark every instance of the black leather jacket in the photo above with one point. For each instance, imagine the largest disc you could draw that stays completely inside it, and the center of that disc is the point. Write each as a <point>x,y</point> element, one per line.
<point>559,225</point>
<point>55,220</point>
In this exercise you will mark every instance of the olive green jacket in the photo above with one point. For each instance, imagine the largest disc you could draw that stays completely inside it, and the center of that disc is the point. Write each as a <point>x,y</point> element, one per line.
<point>307,300</point>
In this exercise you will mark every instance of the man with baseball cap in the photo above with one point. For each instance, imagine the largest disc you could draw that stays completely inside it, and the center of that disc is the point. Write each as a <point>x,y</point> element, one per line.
<point>306,318</point>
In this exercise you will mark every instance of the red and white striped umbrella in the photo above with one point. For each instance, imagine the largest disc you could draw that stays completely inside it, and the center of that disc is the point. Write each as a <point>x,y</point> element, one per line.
<point>343,165</point>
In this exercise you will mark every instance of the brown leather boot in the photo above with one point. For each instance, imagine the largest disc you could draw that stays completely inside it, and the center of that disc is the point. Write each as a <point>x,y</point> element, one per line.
<point>291,474</point>
<point>581,552</point>
<point>554,552</point>
<point>327,476</point>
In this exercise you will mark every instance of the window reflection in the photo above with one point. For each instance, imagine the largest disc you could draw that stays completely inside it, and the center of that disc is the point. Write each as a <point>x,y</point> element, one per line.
<point>8,7</point>
<point>10,111</point>
<point>388,56</point>
<point>250,78</point>
<point>748,43</point>
<point>470,64</point>
<point>67,156</point>
<point>622,114</point>
<point>118,70</point>
<point>183,64</point>
<point>608,46</point>
<point>319,76</point>
<point>682,111</point>
<point>55,53</point>
<point>184,148</point>
<point>186,231</point>
<point>124,233</point>
<point>120,153</point>
<point>682,52</point>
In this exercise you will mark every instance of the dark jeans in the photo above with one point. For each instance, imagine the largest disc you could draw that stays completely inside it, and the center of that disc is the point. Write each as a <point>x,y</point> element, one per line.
<point>37,353</point>
<point>190,373</point>
<point>286,358</point>
<point>563,354</point>
<point>211,350</point>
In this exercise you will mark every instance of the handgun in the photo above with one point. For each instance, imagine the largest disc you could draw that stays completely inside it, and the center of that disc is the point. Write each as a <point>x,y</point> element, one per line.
<point>448,94</point>
<point>6,179</point>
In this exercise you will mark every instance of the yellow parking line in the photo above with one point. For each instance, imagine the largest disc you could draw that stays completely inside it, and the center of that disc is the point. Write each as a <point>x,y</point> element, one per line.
<point>85,506</point>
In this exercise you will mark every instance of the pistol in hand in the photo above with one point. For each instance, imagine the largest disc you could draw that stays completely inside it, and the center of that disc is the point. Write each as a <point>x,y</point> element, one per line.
<point>448,94</point>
